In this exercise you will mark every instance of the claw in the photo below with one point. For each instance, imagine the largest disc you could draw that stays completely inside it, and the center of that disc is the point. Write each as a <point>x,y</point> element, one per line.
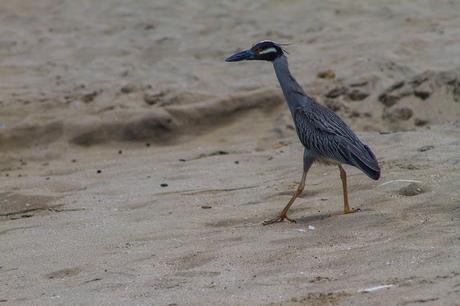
<point>278,219</point>
<point>351,210</point>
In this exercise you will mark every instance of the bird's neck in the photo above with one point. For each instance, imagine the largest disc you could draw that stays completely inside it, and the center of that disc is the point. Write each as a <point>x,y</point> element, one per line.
<point>291,89</point>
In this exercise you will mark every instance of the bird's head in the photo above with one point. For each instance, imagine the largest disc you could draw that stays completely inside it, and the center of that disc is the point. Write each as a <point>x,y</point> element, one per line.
<point>265,50</point>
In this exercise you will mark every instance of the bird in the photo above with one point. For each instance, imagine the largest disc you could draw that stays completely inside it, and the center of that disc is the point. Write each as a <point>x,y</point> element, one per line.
<point>326,138</point>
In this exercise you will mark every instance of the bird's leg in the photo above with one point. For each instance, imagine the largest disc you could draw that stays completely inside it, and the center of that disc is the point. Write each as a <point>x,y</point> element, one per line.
<point>283,214</point>
<point>346,207</point>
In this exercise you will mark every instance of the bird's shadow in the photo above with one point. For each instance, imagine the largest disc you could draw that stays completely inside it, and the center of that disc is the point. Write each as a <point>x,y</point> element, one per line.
<point>318,217</point>
<point>322,216</point>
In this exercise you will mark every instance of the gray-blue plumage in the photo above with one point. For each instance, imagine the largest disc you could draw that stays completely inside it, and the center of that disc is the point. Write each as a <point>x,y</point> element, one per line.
<point>324,135</point>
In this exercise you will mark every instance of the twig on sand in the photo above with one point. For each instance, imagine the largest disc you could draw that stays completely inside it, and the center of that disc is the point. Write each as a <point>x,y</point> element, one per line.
<point>372,289</point>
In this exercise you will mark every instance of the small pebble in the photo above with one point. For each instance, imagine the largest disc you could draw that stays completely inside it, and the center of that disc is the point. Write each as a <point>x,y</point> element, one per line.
<point>149,27</point>
<point>147,144</point>
<point>236,162</point>
<point>399,113</point>
<point>120,152</point>
<point>388,99</point>
<point>218,152</point>
<point>420,122</point>
<point>128,88</point>
<point>357,95</point>
<point>326,74</point>
<point>412,189</point>
<point>151,99</point>
<point>206,206</point>
<point>182,160</point>
<point>99,171</point>
<point>336,92</point>
<point>89,97</point>
<point>74,160</point>
<point>422,93</point>
<point>425,148</point>
<point>164,185</point>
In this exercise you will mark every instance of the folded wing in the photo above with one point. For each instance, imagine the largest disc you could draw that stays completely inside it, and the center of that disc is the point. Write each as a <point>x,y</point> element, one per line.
<point>325,134</point>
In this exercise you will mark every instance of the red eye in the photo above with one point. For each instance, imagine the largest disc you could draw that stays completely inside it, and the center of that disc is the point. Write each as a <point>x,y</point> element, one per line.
<point>258,50</point>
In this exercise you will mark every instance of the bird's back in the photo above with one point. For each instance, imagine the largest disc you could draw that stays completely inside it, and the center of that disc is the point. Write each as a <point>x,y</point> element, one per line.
<point>328,137</point>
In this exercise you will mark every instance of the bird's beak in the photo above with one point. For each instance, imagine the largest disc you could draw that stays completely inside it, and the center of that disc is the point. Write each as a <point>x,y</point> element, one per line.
<point>240,56</point>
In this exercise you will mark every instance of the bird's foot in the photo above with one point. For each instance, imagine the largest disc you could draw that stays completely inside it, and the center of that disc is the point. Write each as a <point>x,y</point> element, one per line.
<point>351,210</point>
<point>280,218</point>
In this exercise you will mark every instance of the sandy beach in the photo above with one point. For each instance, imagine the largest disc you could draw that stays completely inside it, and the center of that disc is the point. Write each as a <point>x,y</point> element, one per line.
<point>137,167</point>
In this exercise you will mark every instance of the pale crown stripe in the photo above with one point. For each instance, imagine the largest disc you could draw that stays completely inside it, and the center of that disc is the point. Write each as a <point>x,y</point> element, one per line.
<point>269,50</point>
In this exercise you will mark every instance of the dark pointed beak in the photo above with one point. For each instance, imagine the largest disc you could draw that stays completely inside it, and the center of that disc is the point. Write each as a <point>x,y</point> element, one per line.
<point>240,56</point>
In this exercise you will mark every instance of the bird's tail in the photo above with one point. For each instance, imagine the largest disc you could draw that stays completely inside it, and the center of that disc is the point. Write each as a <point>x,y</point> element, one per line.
<point>366,162</point>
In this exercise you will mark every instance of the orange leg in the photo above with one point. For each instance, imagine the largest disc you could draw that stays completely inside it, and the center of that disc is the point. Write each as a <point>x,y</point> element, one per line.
<point>283,214</point>
<point>346,207</point>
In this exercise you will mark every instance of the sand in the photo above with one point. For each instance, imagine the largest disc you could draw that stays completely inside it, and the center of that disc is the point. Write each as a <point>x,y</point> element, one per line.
<point>137,167</point>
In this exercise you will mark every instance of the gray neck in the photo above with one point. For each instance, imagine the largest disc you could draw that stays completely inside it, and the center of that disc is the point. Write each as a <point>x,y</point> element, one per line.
<point>293,93</point>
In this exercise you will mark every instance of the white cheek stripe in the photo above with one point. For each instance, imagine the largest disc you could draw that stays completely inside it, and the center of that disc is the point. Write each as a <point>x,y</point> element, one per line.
<point>269,50</point>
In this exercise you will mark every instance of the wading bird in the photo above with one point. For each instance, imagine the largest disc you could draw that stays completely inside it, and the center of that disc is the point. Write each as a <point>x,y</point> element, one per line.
<point>326,138</point>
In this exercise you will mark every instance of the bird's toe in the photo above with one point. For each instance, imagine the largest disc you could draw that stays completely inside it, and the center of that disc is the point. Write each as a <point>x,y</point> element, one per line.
<point>279,219</point>
<point>351,210</point>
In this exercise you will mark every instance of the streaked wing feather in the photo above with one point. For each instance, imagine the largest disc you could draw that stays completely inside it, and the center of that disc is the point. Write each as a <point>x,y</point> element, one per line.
<point>323,132</point>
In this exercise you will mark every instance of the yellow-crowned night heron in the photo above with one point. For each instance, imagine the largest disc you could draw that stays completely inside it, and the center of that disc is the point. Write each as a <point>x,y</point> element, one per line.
<point>325,136</point>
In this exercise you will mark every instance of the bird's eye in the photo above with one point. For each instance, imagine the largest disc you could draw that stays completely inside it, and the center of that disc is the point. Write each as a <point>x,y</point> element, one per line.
<point>258,50</point>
